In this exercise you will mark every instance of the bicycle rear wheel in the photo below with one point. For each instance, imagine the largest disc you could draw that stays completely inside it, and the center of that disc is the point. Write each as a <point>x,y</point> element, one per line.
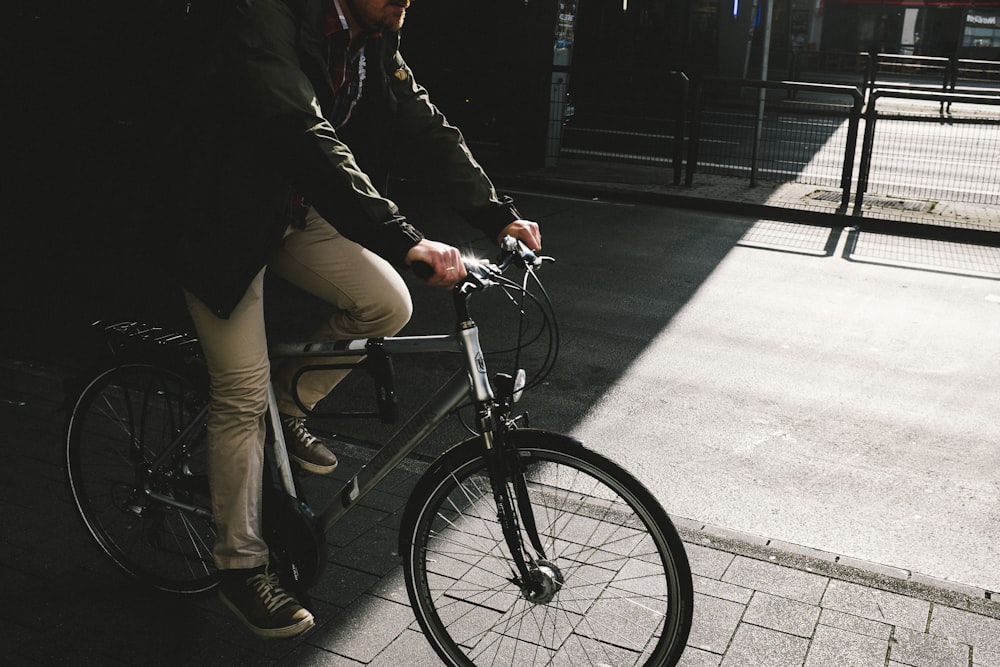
<point>135,458</point>
<point>618,586</point>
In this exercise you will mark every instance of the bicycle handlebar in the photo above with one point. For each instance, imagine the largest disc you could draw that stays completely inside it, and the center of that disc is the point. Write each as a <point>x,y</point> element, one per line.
<point>512,248</point>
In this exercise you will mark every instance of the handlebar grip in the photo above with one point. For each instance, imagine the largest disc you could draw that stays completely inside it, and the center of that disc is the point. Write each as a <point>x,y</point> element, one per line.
<point>422,270</point>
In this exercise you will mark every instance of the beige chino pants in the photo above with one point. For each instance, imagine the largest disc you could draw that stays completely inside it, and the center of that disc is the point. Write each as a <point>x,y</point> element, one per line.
<point>371,300</point>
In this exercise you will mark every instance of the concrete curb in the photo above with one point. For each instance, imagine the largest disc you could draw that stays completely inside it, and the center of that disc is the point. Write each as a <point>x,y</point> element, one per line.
<point>844,568</point>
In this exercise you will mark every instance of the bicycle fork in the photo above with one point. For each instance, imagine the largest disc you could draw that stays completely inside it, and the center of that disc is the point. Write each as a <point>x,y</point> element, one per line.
<point>537,578</point>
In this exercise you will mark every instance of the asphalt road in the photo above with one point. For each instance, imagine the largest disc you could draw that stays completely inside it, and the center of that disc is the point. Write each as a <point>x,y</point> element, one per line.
<point>797,383</point>
<point>786,381</point>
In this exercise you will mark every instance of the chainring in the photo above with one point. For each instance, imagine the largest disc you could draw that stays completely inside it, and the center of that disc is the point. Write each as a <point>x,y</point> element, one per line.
<point>297,545</point>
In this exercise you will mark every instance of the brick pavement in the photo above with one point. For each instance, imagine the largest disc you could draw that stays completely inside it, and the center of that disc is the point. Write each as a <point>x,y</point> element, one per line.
<point>758,603</point>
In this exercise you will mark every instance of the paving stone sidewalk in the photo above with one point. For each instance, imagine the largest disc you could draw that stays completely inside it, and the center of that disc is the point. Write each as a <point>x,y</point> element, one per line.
<point>758,603</point>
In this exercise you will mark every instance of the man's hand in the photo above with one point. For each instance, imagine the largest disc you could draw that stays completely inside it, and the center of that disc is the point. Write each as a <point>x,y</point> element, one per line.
<point>444,260</point>
<point>526,232</point>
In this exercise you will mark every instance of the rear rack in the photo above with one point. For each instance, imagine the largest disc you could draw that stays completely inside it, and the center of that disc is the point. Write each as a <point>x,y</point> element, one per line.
<point>128,338</point>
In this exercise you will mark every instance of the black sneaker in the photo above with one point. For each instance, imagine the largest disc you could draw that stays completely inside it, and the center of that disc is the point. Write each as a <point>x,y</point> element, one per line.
<point>305,448</point>
<point>263,605</point>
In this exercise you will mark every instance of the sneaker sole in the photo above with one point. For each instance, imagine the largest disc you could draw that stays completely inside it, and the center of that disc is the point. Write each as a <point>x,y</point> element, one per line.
<point>287,632</point>
<point>312,467</point>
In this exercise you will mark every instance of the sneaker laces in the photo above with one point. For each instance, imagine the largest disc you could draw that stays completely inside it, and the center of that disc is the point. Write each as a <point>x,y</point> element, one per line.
<point>297,425</point>
<point>270,591</point>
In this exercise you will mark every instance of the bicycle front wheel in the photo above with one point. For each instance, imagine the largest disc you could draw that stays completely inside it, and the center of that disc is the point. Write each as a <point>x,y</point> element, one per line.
<point>135,460</point>
<point>617,587</point>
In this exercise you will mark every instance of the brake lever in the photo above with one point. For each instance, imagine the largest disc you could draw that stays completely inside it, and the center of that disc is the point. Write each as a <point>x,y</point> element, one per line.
<point>515,247</point>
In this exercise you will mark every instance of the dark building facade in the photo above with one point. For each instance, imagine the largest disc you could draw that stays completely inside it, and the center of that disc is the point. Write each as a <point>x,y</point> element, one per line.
<point>964,29</point>
<point>624,52</point>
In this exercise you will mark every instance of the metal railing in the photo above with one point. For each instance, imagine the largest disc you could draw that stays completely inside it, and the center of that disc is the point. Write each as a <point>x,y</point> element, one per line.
<point>923,150</point>
<point>755,131</point>
<point>638,117</point>
<point>896,70</point>
<point>870,70</point>
<point>916,155</point>
<point>929,72</point>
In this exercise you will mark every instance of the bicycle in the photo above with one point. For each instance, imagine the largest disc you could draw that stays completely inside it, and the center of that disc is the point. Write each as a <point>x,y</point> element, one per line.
<point>519,545</point>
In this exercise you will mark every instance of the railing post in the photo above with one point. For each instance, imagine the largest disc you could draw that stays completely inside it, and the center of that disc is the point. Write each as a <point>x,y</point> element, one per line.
<point>850,151</point>
<point>695,137</point>
<point>758,130</point>
<point>871,67</point>
<point>680,111</point>
<point>866,152</point>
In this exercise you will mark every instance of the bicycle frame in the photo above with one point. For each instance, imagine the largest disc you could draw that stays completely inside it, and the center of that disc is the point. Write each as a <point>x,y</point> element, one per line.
<point>470,383</point>
<point>470,380</point>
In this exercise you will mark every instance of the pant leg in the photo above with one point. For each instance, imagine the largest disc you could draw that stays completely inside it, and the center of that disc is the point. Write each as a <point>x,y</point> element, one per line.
<point>236,353</point>
<point>370,297</point>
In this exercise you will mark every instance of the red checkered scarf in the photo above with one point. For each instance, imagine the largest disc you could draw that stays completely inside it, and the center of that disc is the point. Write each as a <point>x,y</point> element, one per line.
<point>346,62</point>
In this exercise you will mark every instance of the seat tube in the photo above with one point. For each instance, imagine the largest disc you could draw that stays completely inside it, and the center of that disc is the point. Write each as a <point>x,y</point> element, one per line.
<point>279,448</point>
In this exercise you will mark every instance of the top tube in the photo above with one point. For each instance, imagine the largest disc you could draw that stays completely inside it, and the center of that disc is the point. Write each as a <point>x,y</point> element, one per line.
<point>352,348</point>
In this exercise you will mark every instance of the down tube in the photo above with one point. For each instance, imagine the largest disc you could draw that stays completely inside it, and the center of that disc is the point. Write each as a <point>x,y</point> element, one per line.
<point>416,429</point>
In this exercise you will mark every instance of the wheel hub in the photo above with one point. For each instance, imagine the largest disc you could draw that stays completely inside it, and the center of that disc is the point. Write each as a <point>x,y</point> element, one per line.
<point>546,580</point>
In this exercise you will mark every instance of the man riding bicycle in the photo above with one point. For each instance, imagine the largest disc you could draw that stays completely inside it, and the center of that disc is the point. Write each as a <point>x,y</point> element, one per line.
<point>292,86</point>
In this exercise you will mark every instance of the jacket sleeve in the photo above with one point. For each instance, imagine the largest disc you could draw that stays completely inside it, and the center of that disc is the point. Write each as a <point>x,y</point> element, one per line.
<point>261,84</point>
<point>444,156</point>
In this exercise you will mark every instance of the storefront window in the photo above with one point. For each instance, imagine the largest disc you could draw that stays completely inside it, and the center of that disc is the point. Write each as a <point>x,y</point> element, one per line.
<point>981,30</point>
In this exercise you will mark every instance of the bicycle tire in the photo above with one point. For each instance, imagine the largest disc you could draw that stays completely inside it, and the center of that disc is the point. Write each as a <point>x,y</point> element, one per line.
<point>126,418</point>
<point>625,596</point>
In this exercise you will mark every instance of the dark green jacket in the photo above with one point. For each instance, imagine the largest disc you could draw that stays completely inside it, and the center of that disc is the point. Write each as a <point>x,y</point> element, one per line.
<point>265,137</point>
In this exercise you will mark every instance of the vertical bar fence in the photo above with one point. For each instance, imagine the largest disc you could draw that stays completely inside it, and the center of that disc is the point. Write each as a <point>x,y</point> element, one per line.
<point>930,144</point>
